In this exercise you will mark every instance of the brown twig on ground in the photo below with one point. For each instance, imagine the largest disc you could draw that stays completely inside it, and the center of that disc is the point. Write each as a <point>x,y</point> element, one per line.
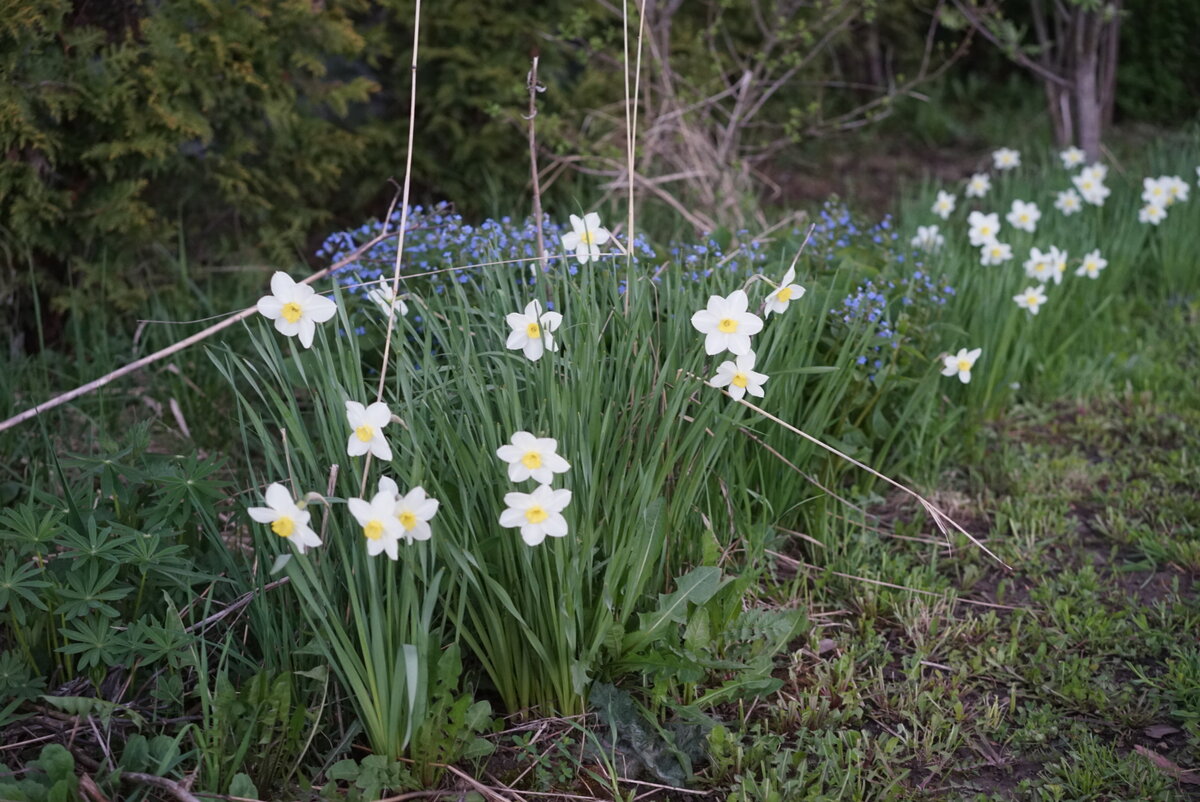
<point>170,786</point>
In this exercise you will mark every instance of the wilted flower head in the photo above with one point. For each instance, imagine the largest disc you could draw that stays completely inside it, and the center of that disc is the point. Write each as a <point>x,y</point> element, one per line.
<point>295,308</point>
<point>531,330</point>
<point>726,325</point>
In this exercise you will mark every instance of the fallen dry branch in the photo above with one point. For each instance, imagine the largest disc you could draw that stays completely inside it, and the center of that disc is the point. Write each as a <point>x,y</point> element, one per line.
<point>136,365</point>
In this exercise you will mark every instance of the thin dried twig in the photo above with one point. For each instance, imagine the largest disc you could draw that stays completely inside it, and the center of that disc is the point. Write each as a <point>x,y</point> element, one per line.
<point>138,364</point>
<point>170,786</point>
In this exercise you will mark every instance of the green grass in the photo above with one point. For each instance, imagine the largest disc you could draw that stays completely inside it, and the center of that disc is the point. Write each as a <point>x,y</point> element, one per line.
<point>726,623</point>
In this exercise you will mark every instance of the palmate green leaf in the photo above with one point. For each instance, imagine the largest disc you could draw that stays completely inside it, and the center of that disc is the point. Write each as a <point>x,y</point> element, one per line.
<point>90,590</point>
<point>97,640</point>
<point>96,544</point>
<point>22,527</point>
<point>19,577</point>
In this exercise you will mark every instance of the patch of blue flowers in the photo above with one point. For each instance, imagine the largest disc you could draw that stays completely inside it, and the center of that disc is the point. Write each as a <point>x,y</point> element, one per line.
<point>894,307</point>
<point>440,247</point>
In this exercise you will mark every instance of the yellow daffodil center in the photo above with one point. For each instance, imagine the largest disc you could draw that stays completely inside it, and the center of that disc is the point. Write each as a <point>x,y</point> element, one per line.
<point>373,530</point>
<point>536,514</point>
<point>996,252</point>
<point>784,294</point>
<point>985,231</point>
<point>283,526</point>
<point>587,237</point>
<point>533,331</point>
<point>364,433</point>
<point>1024,218</point>
<point>740,380</point>
<point>407,519</point>
<point>1031,299</point>
<point>291,311</point>
<point>727,325</point>
<point>964,366</point>
<point>532,460</point>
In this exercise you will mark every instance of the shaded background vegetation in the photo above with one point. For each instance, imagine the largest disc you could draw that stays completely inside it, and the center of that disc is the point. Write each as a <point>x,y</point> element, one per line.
<point>136,135</point>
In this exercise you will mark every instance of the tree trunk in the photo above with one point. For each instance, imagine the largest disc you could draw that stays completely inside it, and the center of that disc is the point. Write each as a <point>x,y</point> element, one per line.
<point>1088,107</point>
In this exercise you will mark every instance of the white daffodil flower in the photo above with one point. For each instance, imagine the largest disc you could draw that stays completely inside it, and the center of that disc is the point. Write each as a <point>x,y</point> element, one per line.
<point>1072,157</point>
<point>995,253</point>
<point>286,518</point>
<point>379,523</point>
<point>983,228</point>
<point>1177,189</point>
<point>1024,216</point>
<point>1154,192</point>
<point>978,185</point>
<point>367,425</point>
<point>1091,190</point>
<point>1006,159</point>
<point>1152,214</point>
<point>960,364</point>
<point>386,299</point>
<point>1031,298</point>
<point>538,514</point>
<point>530,457</point>
<point>739,376</point>
<point>1068,202</point>
<point>1037,266</point>
<point>784,294</point>
<point>295,308</point>
<point>726,325</point>
<point>531,330</point>
<point>1093,263</point>
<point>928,239</point>
<point>414,511</point>
<point>944,204</point>
<point>586,237</point>
<point>1096,172</point>
<point>1058,264</point>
